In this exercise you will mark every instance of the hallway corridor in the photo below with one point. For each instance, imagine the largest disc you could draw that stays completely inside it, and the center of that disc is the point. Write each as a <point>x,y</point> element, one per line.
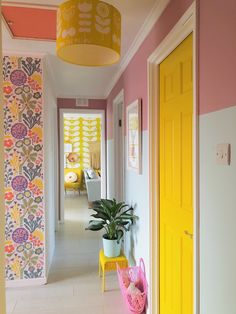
<point>73,285</point>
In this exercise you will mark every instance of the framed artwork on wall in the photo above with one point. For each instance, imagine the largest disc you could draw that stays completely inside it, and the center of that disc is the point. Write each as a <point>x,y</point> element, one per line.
<point>134,149</point>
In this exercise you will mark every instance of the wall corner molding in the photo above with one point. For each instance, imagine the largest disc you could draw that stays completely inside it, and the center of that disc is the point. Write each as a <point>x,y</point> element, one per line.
<point>147,26</point>
<point>47,69</point>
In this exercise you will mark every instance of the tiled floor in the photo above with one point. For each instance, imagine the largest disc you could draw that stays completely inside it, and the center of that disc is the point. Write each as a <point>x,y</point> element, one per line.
<point>73,286</point>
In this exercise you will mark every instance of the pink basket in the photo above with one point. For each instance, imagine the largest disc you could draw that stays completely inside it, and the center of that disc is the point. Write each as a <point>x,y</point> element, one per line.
<point>136,275</point>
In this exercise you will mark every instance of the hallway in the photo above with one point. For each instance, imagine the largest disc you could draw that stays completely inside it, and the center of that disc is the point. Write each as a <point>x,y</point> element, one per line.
<point>73,285</point>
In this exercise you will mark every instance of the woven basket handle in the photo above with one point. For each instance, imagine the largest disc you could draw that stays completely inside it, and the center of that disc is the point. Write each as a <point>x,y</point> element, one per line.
<point>142,266</point>
<point>118,267</point>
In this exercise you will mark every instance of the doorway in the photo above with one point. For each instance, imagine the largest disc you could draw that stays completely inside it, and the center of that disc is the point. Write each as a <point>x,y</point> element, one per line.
<point>119,150</point>
<point>176,181</point>
<point>82,156</point>
<point>183,28</point>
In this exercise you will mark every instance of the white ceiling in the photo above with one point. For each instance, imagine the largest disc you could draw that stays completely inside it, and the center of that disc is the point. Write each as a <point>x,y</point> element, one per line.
<point>76,81</point>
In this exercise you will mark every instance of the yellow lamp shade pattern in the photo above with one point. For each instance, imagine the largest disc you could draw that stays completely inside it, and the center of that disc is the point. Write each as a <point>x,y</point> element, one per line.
<point>88,33</point>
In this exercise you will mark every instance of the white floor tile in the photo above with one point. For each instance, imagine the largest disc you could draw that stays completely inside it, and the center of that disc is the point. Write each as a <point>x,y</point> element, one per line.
<point>73,284</point>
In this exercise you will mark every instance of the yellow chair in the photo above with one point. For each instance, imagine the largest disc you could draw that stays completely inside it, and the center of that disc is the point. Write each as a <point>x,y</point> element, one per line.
<point>76,186</point>
<point>109,264</point>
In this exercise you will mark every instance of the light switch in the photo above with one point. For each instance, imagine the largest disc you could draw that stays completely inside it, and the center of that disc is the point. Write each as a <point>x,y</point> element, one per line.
<point>223,154</point>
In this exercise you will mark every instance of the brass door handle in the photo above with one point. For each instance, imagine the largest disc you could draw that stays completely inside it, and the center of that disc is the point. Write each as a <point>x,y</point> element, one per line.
<point>190,235</point>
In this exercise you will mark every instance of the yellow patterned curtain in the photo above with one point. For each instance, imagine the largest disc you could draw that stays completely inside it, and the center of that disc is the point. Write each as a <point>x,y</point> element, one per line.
<point>95,155</point>
<point>81,132</point>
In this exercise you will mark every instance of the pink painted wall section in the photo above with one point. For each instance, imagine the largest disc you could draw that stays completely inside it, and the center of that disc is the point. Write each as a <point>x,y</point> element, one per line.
<point>70,103</point>
<point>134,78</point>
<point>217,55</point>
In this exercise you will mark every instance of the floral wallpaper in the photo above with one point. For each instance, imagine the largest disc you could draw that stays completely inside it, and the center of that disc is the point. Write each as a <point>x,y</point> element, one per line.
<point>23,146</point>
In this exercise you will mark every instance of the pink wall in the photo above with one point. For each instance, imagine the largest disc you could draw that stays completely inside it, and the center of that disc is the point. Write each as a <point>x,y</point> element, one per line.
<point>134,78</point>
<point>217,55</point>
<point>69,103</point>
<point>216,49</point>
<point>217,62</point>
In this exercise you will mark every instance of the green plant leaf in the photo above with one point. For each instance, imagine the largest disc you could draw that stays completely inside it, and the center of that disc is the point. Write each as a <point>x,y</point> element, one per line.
<point>107,206</point>
<point>95,225</point>
<point>100,216</point>
<point>126,216</point>
<point>99,210</point>
<point>120,234</point>
<point>118,208</point>
<point>113,216</point>
<point>121,222</point>
<point>127,211</point>
<point>94,228</point>
<point>96,204</point>
<point>106,203</point>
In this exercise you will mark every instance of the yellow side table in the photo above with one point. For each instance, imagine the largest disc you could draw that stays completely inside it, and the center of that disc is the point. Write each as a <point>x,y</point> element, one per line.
<point>109,264</point>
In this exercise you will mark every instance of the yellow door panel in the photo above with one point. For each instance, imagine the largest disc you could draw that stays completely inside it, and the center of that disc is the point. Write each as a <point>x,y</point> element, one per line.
<point>187,280</point>
<point>176,181</point>
<point>186,75</point>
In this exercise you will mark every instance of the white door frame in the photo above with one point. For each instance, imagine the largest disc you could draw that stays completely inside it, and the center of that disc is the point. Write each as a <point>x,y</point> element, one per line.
<point>62,111</point>
<point>119,189</point>
<point>185,26</point>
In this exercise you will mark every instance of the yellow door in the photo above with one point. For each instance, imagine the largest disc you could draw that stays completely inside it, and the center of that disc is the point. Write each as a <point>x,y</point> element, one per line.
<point>176,181</point>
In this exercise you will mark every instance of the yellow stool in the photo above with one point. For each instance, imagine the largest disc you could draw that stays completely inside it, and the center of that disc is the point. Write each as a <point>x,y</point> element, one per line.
<point>109,264</point>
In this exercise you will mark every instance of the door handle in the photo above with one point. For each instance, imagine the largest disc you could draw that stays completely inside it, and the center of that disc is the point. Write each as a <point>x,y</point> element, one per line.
<point>190,235</point>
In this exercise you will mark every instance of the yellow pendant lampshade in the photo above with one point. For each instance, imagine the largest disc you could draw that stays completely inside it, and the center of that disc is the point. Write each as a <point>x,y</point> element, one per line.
<point>88,33</point>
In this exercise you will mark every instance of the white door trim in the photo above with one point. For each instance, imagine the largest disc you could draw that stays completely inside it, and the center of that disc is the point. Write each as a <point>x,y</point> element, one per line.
<point>119,99</point>
<point>62,111</point>
<point>185,26</point>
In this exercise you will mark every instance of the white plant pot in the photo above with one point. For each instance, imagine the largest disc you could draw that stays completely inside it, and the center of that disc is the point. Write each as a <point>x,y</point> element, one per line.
<point>111,247</point>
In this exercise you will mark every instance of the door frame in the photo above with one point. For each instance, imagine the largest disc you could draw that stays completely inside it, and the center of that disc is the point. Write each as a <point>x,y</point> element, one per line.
<point>185,26</point>
<point>62,111</point>
<point>119,99</point>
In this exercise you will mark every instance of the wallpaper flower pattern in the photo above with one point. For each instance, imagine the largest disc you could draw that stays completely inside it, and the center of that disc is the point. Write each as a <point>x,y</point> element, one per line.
<point>23,146</point>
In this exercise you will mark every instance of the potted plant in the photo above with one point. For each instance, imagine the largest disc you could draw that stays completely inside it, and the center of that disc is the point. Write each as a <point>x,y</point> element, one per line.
<point>115,218</point>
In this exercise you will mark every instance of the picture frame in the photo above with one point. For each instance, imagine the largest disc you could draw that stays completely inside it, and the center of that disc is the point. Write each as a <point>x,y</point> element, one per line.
<point>134,148</point>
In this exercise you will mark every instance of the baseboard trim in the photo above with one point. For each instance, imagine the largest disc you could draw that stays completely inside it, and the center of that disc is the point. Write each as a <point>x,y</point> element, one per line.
<point>20,283</point>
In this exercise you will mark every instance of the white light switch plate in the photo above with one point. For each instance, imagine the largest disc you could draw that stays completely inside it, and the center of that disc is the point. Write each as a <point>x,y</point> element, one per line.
<point>223,154</point>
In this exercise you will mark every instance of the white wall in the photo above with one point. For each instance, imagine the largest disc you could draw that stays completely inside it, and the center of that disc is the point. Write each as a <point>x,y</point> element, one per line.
<point>110,169</point>
<point>50,165</point>
<point>218,214</point>
<point>137,193</point>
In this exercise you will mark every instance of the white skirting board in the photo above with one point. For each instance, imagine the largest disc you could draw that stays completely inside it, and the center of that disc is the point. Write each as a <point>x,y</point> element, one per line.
<point>26,283</point>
